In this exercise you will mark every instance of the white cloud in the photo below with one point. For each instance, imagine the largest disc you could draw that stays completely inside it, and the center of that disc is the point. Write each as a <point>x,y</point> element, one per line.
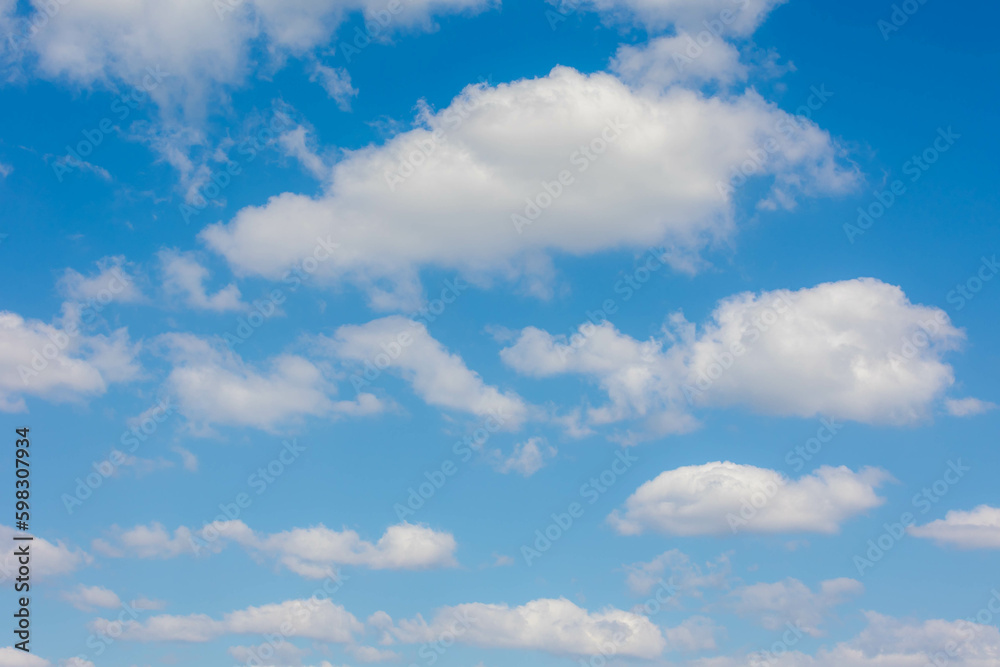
<point>437,376</point>
<point>889,642</point>
<point>278,653</point>
<point>967,407</point>
<point>295,144</point>
<point>676,567</point>
<point>855,349</point>
<point>790,601</point>
<point>5,169</point>
<point>665,61</point>
<point>12,657</point>
<point>975,529</point>
<point>722,497</point>
<point>336,81</point>
<point>665,159</point>
<point>58,362</point>
<point>48,559</point>
<point>111,283</point>
<point>204,48</point>
<point>313,552</point>
<point>527,458</point>
<point>553,626</point>
<point>188,459</point>
<point>715,18</point>
<point>213,385</point>
<point>184,275</point>
<point>372,654</point>
<point>694,634</point>
<point>86,598</point>
<point>311,619</point>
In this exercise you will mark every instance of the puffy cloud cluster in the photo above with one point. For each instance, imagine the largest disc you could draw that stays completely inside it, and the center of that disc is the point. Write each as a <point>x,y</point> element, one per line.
<point>505,175</point>
<point>723,498</point>
<point>313,552</point>
<point>60,362</point>
<point>854,349</point>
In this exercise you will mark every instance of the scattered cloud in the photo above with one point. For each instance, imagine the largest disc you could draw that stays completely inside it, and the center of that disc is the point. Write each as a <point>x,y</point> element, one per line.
<point>975,529</point>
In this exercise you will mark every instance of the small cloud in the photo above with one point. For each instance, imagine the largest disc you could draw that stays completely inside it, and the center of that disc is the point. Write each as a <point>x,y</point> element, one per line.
<point>967,407</point>
<point>89,598</point>
<point>189,460</point>
<point>5,170</point>
<point>528,457</point>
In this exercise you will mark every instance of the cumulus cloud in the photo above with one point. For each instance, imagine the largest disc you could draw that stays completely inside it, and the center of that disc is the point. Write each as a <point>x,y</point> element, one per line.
<point>204,48</point>
<point>310,619</point>
<point>663,162</point>
<point>686,577</point>
<point>854,349</point>
<point>527,458</point>
<point>718,19</point>
<point>48,559</point>
<point>889,641</point>
<point>87,598</point>
<point>111,283</point>
<point>12,657</point>
<point>59,362</point>
<point>313,552</point>
<point>440,378</point>
<point>975,529</point>
<point>336,81</point>
<point>554,626</point>
<point>185,276</point>
<point>665,61</point>
<point>722,498</point>
<point>772,605</point>
<point>213,385</point>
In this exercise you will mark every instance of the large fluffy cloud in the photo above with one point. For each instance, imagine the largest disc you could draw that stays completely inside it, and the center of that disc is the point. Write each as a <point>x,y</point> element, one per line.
<point>201,45</point>
<point>975,529</point>
<point>61,361</point>
<point>855,349</point>
<point>723,497</point>
<point>475,187</point>
<point>554,626</point>
<point>313,552</point>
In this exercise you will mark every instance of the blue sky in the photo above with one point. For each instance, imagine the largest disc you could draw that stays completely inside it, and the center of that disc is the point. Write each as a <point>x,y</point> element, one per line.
<point>484,334</point>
